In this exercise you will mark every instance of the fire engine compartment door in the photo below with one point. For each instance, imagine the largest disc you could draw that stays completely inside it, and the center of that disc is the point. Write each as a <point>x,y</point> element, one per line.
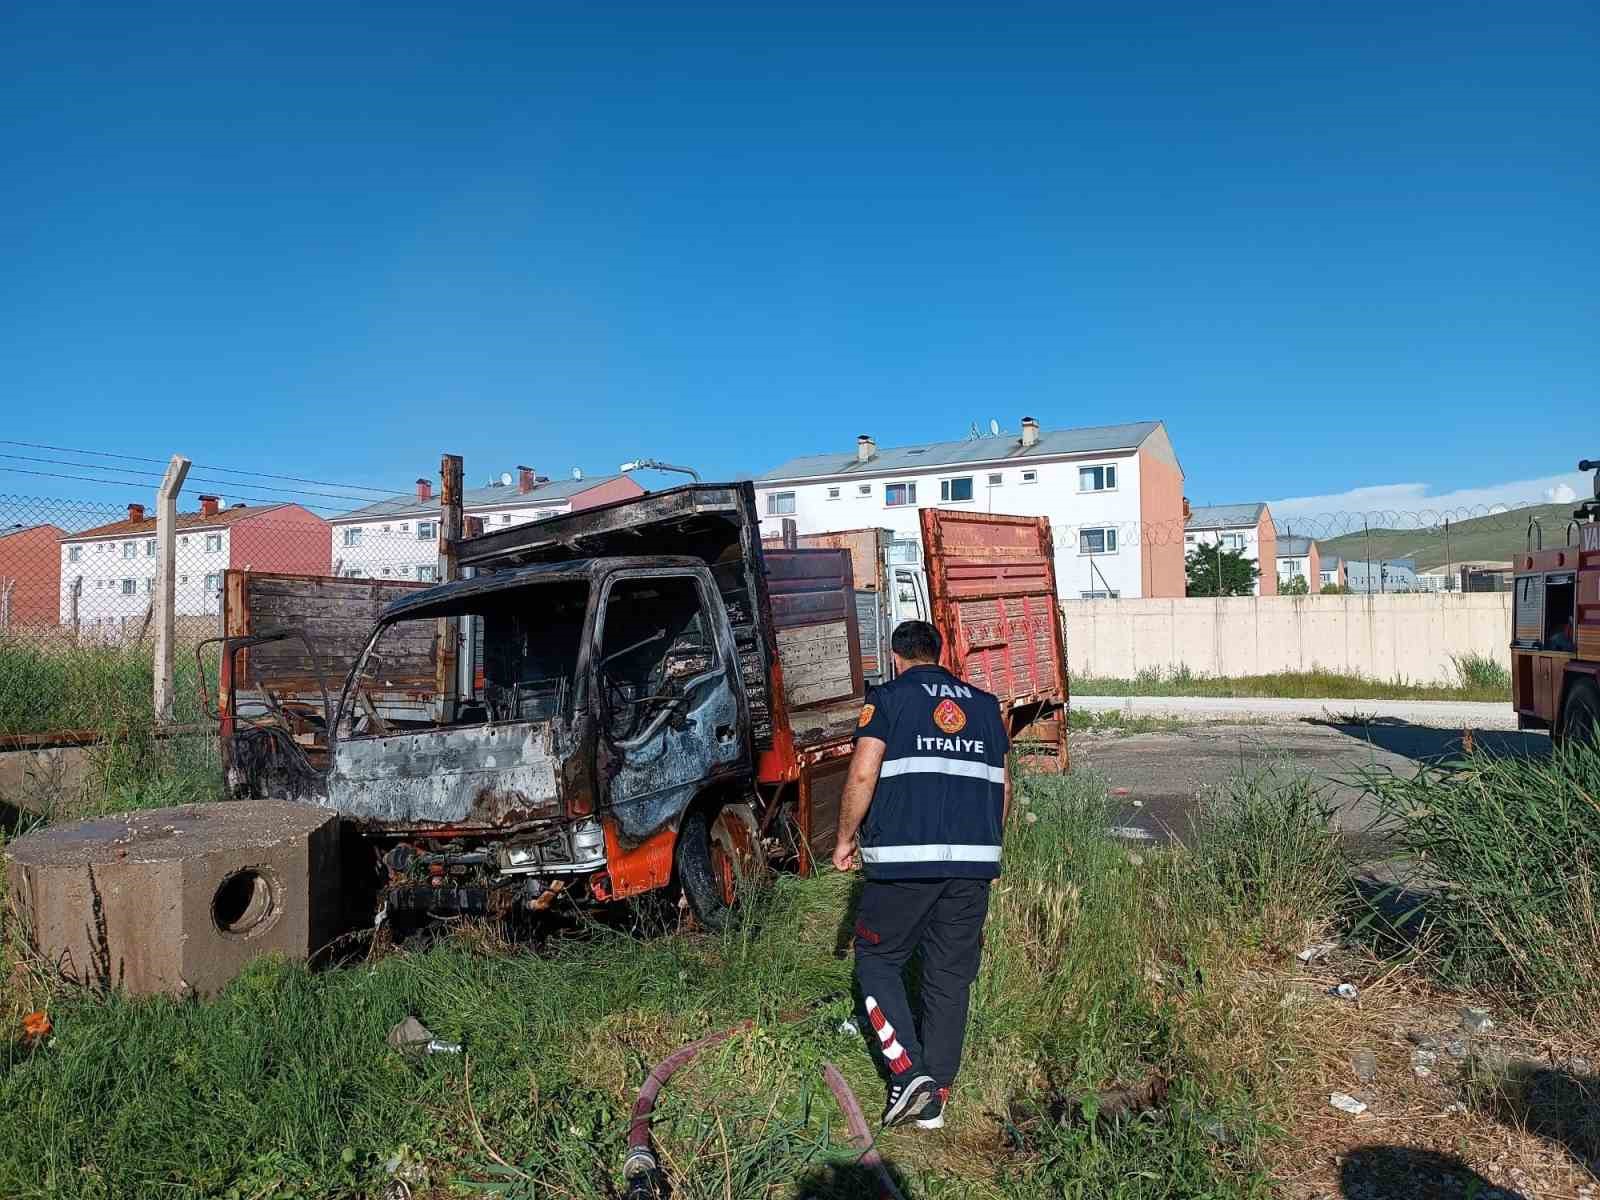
<point>670,704</point>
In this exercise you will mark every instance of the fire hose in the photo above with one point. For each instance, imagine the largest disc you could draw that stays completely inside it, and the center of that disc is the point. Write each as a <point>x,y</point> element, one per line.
<point>641,1170</point>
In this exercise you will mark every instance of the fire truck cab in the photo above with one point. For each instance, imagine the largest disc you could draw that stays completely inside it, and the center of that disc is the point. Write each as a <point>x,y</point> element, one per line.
<point>1555,626</point>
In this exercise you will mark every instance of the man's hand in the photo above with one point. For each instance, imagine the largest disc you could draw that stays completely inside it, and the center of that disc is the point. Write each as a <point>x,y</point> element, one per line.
<point>844,855</point>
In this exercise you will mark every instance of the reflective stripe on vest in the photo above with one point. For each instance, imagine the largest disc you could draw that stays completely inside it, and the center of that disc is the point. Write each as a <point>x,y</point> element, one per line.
<point>933,852</point>
<point>931,765</point>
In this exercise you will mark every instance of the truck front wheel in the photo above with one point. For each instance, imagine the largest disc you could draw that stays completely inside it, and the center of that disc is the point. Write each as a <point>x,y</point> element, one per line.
<point>1580,715</point>
<point>718,854</point>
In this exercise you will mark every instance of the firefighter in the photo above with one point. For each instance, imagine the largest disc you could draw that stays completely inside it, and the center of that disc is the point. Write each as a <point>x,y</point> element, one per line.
<point>928,793</point>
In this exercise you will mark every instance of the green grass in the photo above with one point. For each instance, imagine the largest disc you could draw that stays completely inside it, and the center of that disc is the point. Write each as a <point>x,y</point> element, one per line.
<point>1509,849</point>
<point>283,1085</point>
<point>46,687</point>
<point>1476,681</point>
<point>1498,537</point>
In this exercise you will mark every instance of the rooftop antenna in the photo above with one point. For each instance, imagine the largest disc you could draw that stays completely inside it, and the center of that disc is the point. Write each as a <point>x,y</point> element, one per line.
<point>972,433</point>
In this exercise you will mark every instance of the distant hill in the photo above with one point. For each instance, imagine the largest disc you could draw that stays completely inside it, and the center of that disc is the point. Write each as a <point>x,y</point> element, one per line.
<point>1497,537</point>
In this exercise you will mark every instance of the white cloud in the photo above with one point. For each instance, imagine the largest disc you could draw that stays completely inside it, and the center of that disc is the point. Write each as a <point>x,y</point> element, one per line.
<point>1410,505</point>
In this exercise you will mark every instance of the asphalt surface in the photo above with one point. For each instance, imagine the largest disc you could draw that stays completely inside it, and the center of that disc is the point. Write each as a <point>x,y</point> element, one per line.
<point>1157,777</point>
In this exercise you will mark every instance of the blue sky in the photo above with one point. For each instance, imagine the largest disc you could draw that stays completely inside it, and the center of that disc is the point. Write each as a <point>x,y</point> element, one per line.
<point>1332,245</point>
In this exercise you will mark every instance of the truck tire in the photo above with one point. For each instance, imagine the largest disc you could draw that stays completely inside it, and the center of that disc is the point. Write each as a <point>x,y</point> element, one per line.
<point>718,854</point>
<point>1580,715</point>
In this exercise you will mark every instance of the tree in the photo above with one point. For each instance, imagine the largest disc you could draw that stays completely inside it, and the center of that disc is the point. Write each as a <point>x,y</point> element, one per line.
<point>1334,589</point>
<point>1238,572</point>
<point>1295,585</point>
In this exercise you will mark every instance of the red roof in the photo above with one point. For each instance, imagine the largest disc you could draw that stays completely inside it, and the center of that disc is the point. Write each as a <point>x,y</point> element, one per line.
<point>186,522</point>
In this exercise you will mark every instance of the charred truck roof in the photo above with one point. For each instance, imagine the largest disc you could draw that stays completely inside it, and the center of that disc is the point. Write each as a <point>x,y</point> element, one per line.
<point>447,598</point>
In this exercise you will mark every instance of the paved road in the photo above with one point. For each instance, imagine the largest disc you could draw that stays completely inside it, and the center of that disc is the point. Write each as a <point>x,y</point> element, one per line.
<point>1163,773</point>
<point>1435,714</point>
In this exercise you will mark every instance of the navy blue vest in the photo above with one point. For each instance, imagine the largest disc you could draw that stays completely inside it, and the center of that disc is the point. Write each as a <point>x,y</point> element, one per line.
<point>940,801</point>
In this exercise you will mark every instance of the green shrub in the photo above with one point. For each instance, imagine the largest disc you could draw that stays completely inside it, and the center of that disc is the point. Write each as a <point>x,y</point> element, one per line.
<point>1482,673</point>
<point>1509,850</point>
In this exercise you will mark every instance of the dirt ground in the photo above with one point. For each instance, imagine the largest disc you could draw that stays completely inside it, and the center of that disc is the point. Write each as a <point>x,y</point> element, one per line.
<point>1157,776</point>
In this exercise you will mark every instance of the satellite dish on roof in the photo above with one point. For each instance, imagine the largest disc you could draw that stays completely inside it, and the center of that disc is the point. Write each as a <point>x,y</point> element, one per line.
<point>577,474</point>
<point>994,427</point>
<point>505,478</point>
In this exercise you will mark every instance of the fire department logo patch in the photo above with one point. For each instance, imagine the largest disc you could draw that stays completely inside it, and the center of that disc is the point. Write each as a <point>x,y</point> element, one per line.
<point>866,715</point>
<point>949,717</point>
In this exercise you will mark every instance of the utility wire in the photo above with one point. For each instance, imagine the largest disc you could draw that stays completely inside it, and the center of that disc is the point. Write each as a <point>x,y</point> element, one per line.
<point>229,483</point>
<point>145,483</point>
<point>354,487</point>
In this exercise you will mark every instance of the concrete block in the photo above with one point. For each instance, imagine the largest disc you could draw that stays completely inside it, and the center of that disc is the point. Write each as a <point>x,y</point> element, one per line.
<point>178,900</point>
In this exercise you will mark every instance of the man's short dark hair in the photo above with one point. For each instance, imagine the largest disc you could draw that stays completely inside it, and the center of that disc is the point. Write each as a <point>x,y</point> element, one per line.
<point>916,641</point>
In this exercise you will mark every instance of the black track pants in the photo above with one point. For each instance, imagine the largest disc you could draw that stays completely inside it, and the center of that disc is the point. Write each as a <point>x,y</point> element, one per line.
<point>944,917</point>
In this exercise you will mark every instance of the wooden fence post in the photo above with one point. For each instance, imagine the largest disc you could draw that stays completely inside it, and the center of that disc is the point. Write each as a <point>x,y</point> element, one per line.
<point>165,602</point>
<point>447,678</point>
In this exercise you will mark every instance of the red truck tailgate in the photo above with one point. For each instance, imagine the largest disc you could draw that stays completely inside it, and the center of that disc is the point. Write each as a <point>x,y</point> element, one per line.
<point>992,584</point>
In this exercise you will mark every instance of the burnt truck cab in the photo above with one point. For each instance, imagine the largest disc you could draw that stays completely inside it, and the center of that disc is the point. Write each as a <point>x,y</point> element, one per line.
<point>1555,627</point>
<point>591,687</point>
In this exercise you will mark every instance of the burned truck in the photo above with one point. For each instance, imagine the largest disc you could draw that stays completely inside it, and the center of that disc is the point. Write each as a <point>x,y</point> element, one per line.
<point>623,699</point>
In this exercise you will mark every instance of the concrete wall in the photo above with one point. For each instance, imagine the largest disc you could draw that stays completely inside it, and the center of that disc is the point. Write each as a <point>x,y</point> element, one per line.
<point>1384,636</point>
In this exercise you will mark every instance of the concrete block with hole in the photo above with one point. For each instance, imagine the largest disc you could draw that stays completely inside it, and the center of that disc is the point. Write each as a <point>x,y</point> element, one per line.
<point>178,900</point>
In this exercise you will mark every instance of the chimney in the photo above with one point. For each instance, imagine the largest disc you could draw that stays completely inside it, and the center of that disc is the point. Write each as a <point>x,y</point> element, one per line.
<point>1030,432</point>
<point>209,505</point>
<point>424,490</point>
<point>135,512</point>
<point>525,479</point>
<point>866,448</point>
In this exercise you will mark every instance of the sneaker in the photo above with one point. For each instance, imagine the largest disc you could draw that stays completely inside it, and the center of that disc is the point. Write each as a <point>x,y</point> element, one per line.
<point>932,1115</point>
<point>907,1100</point>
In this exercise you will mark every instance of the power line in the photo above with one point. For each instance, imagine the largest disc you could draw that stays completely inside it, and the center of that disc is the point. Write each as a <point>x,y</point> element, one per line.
<point>353,487</point>
<point>228,483</point>
<point>141,483</point>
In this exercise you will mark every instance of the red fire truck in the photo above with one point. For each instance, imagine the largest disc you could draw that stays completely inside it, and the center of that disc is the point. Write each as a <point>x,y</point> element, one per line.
<point>1555,626</point>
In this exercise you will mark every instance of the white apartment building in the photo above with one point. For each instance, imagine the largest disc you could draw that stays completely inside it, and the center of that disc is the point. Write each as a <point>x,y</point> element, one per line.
<point>1247,528</point>
<point>1113,493</point>
<point>398,538</point>
<point>108,573</point>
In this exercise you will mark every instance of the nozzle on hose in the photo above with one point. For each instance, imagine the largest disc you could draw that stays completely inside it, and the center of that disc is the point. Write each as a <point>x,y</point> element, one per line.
<point>641,1176</point>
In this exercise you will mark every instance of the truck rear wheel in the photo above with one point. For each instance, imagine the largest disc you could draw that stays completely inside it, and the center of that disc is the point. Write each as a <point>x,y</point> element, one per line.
<point>1580,715</point>
<point>718,855</point>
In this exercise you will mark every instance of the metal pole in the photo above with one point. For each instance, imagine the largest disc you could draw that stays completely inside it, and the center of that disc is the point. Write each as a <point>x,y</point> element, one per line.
<point>165,601</point>
<point>1447,563</point>
<point>1367,533</point>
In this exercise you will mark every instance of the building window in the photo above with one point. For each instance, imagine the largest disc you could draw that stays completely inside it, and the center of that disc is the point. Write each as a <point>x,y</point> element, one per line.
<point>1097,479</point>
<point>505,518</point>
<point>352,535</point>
<point>425,531</point>
<point>1188,539</point>
<point>129,587</point>
<point>896,495</point>
<point>150,548</point>
<point>427,574</point>
<point>149,584</point>
<point>184,540</point>
<point>1233,541</point>
<point>354,573</point>
<point>405,526</point>
<point>184,580</point>
<point>1113,594</point>
<point>833,493</point>
<point>130,549</point>
<point>387,572</point>
<point>214,582</point>
<point>544,513</point>
<point>386,529</point>
<point>98,584</point>
<point>213,542</point>
<point>863,489</point>
<point>1030,477</point>
<point>996,478</point>
<point>780,504</point>
<point>74,553</point>
<point>952,491</point>
<point>1097,541</point>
